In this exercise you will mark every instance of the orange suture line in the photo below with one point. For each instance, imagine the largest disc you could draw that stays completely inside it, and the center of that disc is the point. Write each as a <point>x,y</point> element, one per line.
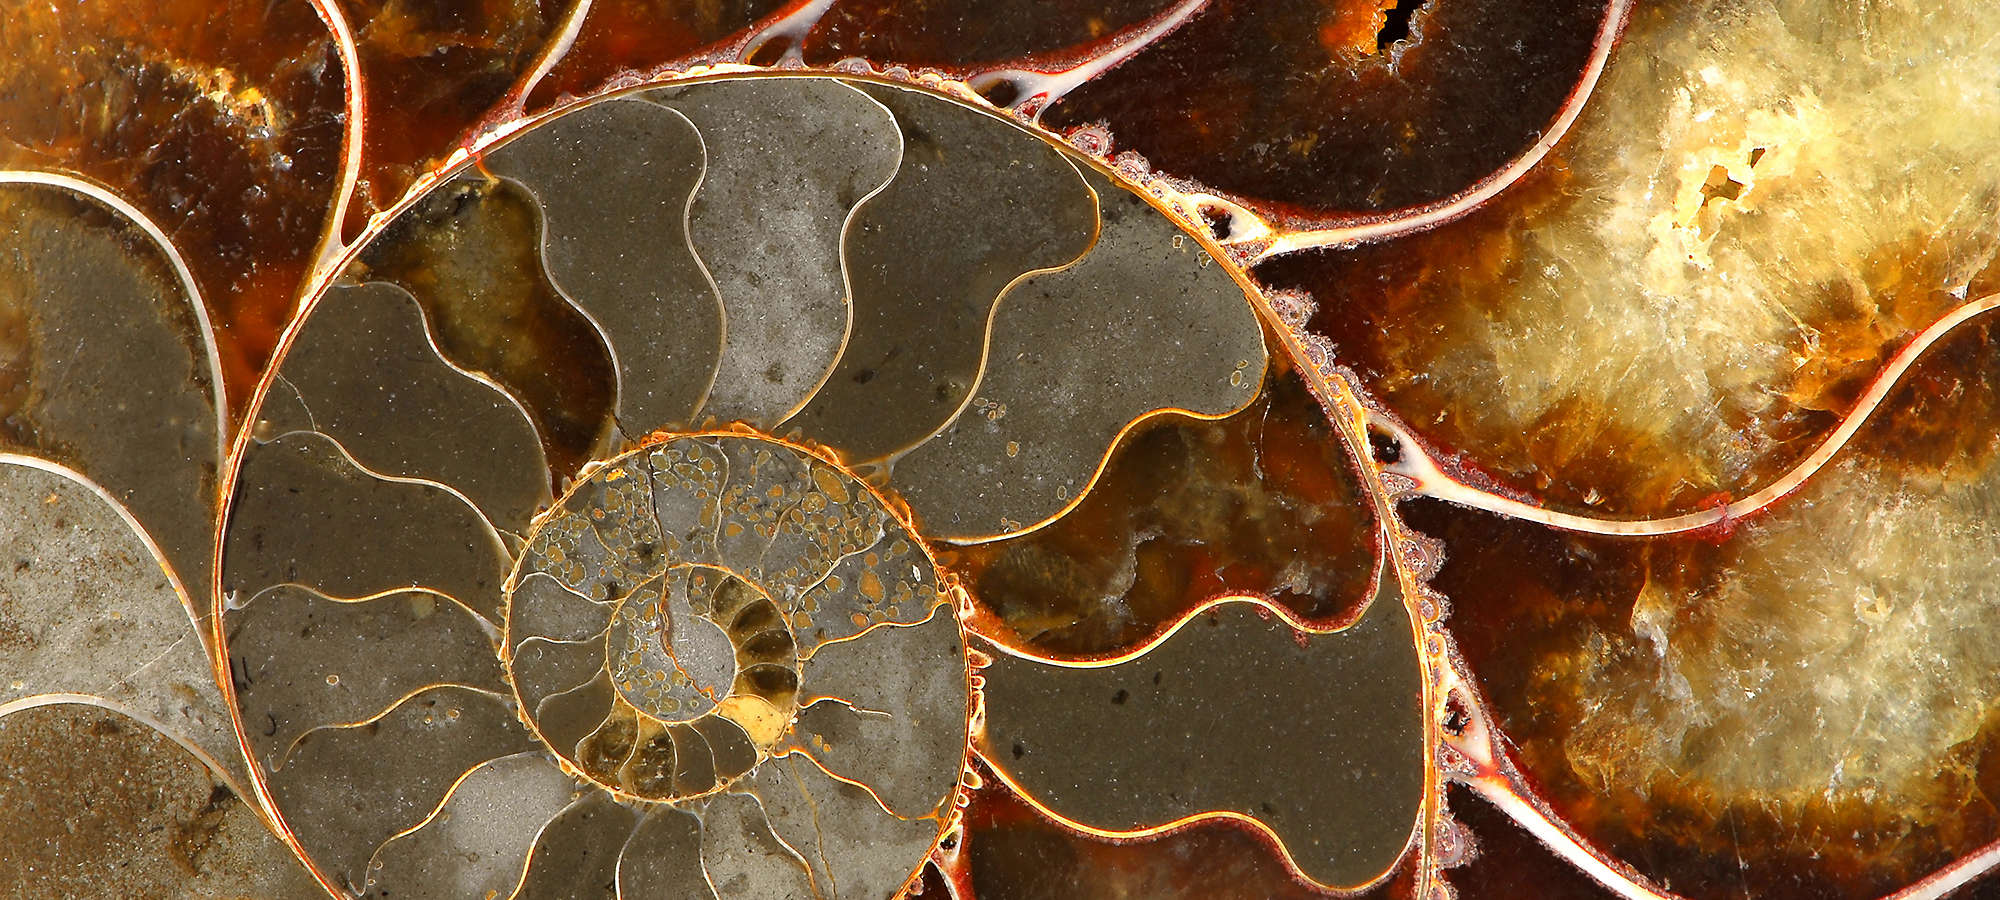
<point>1263,831</point>
<point>1284,615</point>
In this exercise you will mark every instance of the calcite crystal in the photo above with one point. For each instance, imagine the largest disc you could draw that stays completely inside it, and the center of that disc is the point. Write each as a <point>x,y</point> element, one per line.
<point>1758,205</point>
<point>1814,686</point>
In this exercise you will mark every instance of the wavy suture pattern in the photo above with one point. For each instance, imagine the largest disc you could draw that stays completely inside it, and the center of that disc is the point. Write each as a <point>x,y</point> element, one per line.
<point>1013,850</point>
<point>343,804</point>
<point>1723,367</point>
<point>115,741</point>
<point>1062,375</point>
<point>470,252</point>
<point>720,661</point>
<point>489,821</point>
<point>290,677</point>
<point>1285,125</point>
<point>825,147</point>
<point>915,347</point>
<point>77,267</point>
<point>445,429</point>
<point>696,577</point>
<point>670,492</point>
<point>616,244</point>
<point>396,524</point>
<point>1261,503</point>
<point>1055,731</point>
<point>1357,110</point>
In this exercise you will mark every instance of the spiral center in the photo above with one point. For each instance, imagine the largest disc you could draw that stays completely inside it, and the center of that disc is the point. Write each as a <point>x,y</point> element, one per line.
<point>669,648</point>
<point>664,617</point>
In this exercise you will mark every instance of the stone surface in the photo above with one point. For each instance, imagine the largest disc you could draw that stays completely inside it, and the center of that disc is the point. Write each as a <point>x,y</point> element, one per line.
<point>86,610</point>
<point>100,806</point>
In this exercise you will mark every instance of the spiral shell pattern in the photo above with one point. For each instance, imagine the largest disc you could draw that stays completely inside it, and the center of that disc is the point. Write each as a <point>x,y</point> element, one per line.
<point>706,572</point>
<point>586,542</point>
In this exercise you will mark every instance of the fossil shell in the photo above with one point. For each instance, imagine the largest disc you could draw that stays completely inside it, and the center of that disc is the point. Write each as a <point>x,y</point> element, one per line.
<point>586,539</point>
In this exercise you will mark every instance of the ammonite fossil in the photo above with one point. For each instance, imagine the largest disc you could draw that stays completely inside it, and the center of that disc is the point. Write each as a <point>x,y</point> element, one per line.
<point>1407,450</point>
<point>656,605</point>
